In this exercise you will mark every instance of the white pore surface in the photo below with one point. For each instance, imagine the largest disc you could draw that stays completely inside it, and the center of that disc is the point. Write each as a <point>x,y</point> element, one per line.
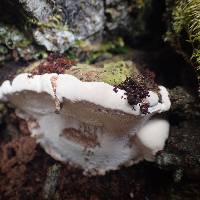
<point>100,116</point>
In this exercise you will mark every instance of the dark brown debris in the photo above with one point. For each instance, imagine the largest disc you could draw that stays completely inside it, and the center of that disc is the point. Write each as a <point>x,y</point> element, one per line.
<point>137,89</point>
<point>16,152</point>
<point>135,93</point>
<point>14,157</point>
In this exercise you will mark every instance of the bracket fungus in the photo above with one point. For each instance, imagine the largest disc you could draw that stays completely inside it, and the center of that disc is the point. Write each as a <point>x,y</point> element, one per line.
<point>81,117</point>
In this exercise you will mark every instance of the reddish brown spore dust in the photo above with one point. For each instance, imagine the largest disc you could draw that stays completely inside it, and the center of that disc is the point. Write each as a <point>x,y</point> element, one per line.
<point>55,63</point>
<point>135,93</point>
<point>137,89</point>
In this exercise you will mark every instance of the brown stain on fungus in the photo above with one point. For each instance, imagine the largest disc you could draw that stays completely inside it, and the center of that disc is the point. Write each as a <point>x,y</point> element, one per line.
<point>85,139</point>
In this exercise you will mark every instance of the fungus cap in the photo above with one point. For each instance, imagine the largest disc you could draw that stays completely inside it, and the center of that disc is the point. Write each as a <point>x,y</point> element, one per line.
<point>86,123</point>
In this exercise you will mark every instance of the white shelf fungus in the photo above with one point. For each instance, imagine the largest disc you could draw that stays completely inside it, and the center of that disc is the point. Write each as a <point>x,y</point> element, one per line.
<point>87,123</point>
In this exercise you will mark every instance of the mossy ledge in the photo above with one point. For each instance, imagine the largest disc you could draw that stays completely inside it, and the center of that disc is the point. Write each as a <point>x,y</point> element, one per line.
<point>112,73</point>
<point>184,32</point>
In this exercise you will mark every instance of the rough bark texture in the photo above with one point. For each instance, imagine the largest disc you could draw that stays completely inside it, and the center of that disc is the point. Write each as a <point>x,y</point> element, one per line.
<point>56,25</point>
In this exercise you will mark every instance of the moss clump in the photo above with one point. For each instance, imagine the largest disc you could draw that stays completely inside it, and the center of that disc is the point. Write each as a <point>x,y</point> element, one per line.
<point>116,73</point>
<point>185,30</point>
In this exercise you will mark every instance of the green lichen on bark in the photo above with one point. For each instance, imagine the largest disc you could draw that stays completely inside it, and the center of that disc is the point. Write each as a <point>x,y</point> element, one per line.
<point>184,31</point>
<point>13,39</point>
<point>17,44</point>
